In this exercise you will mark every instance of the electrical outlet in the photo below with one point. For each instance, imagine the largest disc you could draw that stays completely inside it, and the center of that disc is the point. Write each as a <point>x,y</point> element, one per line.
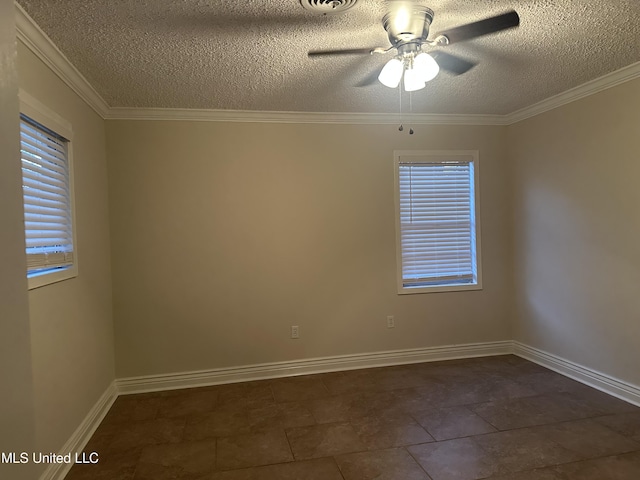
<point>391,323</point>
<point>295,331</point>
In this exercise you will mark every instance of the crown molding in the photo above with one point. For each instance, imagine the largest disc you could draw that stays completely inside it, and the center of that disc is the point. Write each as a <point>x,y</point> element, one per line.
<point>29,33</point>
<point>44,48</point>
<point>592,87</point>
<point>119,113</point>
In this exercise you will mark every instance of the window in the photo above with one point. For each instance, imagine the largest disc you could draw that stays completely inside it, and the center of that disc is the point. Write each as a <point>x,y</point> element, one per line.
<point>436,225</point>
<point>48,194</point>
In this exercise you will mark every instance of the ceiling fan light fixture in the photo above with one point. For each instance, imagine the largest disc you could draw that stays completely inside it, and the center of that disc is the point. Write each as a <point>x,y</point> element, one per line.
<point>413,80</point>
<point>391,73</point>
<point>425,66</point>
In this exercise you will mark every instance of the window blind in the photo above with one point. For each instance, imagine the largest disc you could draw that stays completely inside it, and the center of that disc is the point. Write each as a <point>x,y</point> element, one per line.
<point>47,199</point>
<point>437,223</point>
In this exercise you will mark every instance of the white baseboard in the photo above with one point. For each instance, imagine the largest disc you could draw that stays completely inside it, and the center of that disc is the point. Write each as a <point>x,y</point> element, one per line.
<point>152,383</point>
<point>601,381</point>
<point>83,433</point>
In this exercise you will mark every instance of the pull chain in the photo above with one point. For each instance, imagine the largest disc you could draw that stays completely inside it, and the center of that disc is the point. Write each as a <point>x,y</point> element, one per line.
<point>401,127</point>
<point>411,110</point>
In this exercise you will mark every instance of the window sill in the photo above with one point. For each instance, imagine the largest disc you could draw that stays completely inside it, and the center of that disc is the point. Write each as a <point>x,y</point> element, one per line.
<point>438,289</point>
<point>47,278</point>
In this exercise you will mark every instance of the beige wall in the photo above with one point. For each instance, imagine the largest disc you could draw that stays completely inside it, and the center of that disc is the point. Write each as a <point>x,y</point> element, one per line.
<point>577,231</point>
<point>71,321</point>
<point>16,400</point>
<point>226,234</point>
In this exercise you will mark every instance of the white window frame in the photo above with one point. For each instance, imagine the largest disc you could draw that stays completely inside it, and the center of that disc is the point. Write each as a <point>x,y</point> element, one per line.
<point>40,113</point>
<point>420,156</point>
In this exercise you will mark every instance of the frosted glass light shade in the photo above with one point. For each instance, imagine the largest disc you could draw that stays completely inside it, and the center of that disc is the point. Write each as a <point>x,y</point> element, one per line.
<point>425,66</point>
<point>391,73</point>
<point>412,80</point>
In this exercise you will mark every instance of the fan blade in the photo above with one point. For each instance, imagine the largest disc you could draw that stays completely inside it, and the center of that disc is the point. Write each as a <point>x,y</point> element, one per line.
<point>370,79</point>
<point>452,63</point>
<point>210,22</point>
<point>347,51</point>
<point>483,27</point>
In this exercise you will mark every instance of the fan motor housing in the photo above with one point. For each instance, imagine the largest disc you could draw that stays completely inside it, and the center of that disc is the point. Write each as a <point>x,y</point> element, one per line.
<point>408,23</point>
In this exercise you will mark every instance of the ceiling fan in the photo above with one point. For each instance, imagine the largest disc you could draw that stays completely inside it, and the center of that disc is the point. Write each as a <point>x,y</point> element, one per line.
<point>407,26</point>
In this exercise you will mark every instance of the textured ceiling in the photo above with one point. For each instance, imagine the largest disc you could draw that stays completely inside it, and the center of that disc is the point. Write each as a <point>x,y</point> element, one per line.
<point>251,55</point>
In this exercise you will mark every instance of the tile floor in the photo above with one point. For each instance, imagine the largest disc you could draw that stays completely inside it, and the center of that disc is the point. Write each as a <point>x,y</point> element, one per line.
<point>502,418</point>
